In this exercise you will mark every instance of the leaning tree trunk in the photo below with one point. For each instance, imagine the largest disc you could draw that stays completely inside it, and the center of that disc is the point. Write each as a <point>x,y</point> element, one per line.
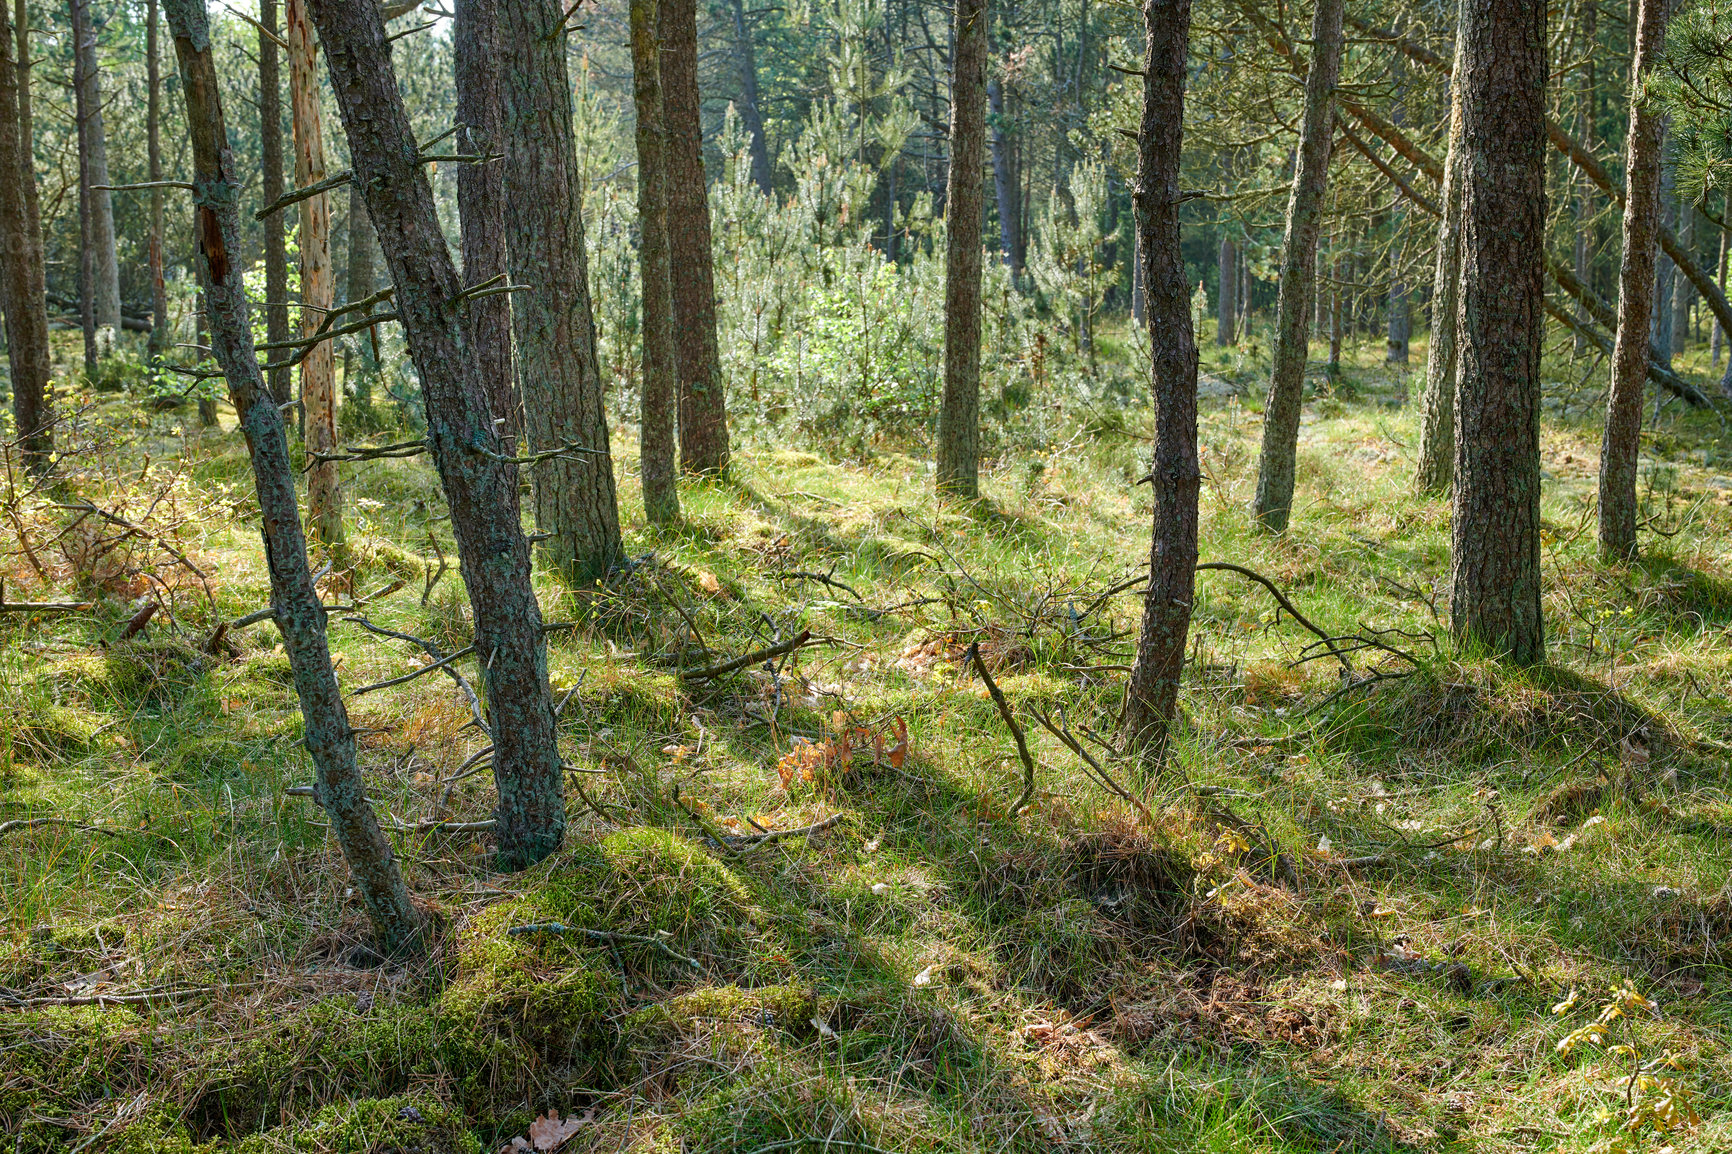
<point>557,368</point>
<point>479,477</point>
<point>1620,444</point>
<point>159,335</point>
<point>1437,403</point>
<point>318,279</point>
<point>1227,308</point>
<point>661,498</point>
<point>703,401</point>
<point>99,261</point>
<point>964,206</point>
<point>1275,467</point>
<point>1495,523</point>
<point>750,112</point>
<point>294,600</point>
<point>1004,181</point>
<point>1152,694</point>
<point>271,188</point>
<point>481,198</point>
<point>22,291</point>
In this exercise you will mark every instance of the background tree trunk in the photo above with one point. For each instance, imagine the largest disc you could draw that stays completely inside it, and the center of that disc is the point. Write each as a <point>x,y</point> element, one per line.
<point>481,199</point>
<point>1436,467</point>
<point>270,189</point>
<point>1495,527</point>
<point>751,113</point>
<point>557,369</point>
<point>363,281</point>
<point>1152,693</point>
<point>480,480</point>
<point>1681,293</point>
<point>1719,335</point>
<point>661,498</point>
<point>1004,182</point>
<point>1620,442</point>
<point>159,330</point>
<point>1227,309</point>
<point>964,209</point>
<point>703,398</point>
<point>1400,325</point>
<point>299,616</point>
<point>318,279</point>
<point>98,258</point>
<point>1665,271</point>
<point>22,291</point>
<point>1274,501</point>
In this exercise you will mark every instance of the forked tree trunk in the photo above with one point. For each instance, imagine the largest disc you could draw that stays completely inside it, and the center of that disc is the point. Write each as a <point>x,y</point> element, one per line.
<point>1495,523</point>
<point>558,372</point>
<point>1227,310</point>
<point>1004,181</point>
<point>481,198</point>
<point>270,189</point>
<point>299,616</point>
<point>661,498</point>
<point>22,291</point>
<point>703,400</point>
<point>318,279</point>
<point>479,479</point>
<point>159,335</point>
<point>1152,694</point>
<point>98,260</point>
<point>751,115</point>
<point>1620,443</point>
<point>1275,466</point>
<point>964,208</point>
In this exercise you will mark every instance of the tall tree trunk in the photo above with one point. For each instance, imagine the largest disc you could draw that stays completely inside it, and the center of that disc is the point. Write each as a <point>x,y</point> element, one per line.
<point>1587,97</point>
<point>271,188</point>
<point>657,432</point>
<point>1719,336</point>
<point>1151,696</point>
<point>159,341</point>
<point>481,199</point>
<point>964,209</point>
<point>318,279</point>
<point>1275,466</point>
<point>1228,306</point>
<point>363,278</point>
<point>751,114</point>
<point>1400,322</point>
<point>1495,524</point>
<point>1436,467</point>
<point>1004,182</point>
<point>294,600</point>
<point>479,478</point>
<point>557,368</point>
<point>703,401</point>
<point>99,246</point>
<point>1620,444</point>
<point>22,291</point>
<point>1681,294</point>
<point>1665,271</point>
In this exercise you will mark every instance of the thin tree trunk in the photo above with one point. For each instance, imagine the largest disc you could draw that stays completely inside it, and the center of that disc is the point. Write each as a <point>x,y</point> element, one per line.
<point>750,112</point>
<point>22,291</point>
<point>295,601</point>
<point>1004,182</point>
<point>101,259</point>
<point>1227,264</point>
<point>1400,324</point>
<point>1436,467</point>
<point>1151,695</point>
<point>1681,296</point>
<point>1620,443</point>
<point>964,208</point>
<point>557,369</point>
<point>1586,97</point>
<point>159,335</point>
<point>481,200</point>
<point>1665,279</point>
<point>1275,466</point>
<point>271,189</point>
<point>1495,523</point>
<point>703,401</point>
<point>318,279</point>
<point>1336,319</point>
<point>363,277</point>
<point>657,433</point>
<point>479,479</point>
<point>1719,336</point>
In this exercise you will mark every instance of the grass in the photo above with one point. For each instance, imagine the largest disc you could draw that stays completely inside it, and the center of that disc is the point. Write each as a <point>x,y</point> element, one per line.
<point>930,973</point>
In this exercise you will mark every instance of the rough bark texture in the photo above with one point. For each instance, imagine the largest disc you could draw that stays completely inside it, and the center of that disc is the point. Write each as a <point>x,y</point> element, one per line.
<point>1620,442</point>
<point>159,334</point>
<point>1227,308</point>
<point>1274,501</point>
<point>1151,696</point>
<point>270,189</point>
<point>318,279</point>
<point>22,292</point>
<point>1495,527</point>
<point>1004,182</point>
<point>359,371</point>
<point>697,356</point>
<point>751,115</point>
<point>481,199</point>
<point>964,207</point>
<point>480,483</point>
<point>299,616</point>
<point>661,498</point>
<point>1437,404</point>
<point>557,369</point>
<point>101,261</point>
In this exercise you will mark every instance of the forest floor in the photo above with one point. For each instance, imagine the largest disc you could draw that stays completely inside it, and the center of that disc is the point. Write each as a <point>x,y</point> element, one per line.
<point>1377,910</point>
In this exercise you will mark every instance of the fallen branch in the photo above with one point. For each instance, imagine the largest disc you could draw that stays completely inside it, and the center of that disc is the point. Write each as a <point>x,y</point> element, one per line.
<point>33,822</point>
<point>609,936</point>
<point>407,677</point>
<point>766,654</point>
<point>1015,729</point>
<point>1280,598</point>
<point>1106,779</point>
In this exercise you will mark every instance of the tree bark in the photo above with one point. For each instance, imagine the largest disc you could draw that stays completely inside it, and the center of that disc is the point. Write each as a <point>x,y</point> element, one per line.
<point>1151,696</point>
<point>964,209</point>
<point>661,498</point>
<point>271,189</point>
<point>318,279</point>
<point>22,290</point>
<point>1004,182</point>
<point>1275,468</point>
<point>703,400</point>
<point>1719,335</point>
<point>1620,442</point>
<point>99,259</point>
<point>159,333</point>
<point>481,202</point>
<point>1400,324</point>
<point>294,600</point>
<point>1436,467</point>
<point>480,481</point>
<point>558,372</point>
<point>1495,526</point>
<point>1227,264</point>
<point>1681,290</point>
<point>751,113</point>
<point>362,278</point>
<point>1665,278</point>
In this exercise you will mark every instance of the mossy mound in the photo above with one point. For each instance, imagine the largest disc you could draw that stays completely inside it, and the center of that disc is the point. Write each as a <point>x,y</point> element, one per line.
<point>40,731</point>
<point>130,673</point>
